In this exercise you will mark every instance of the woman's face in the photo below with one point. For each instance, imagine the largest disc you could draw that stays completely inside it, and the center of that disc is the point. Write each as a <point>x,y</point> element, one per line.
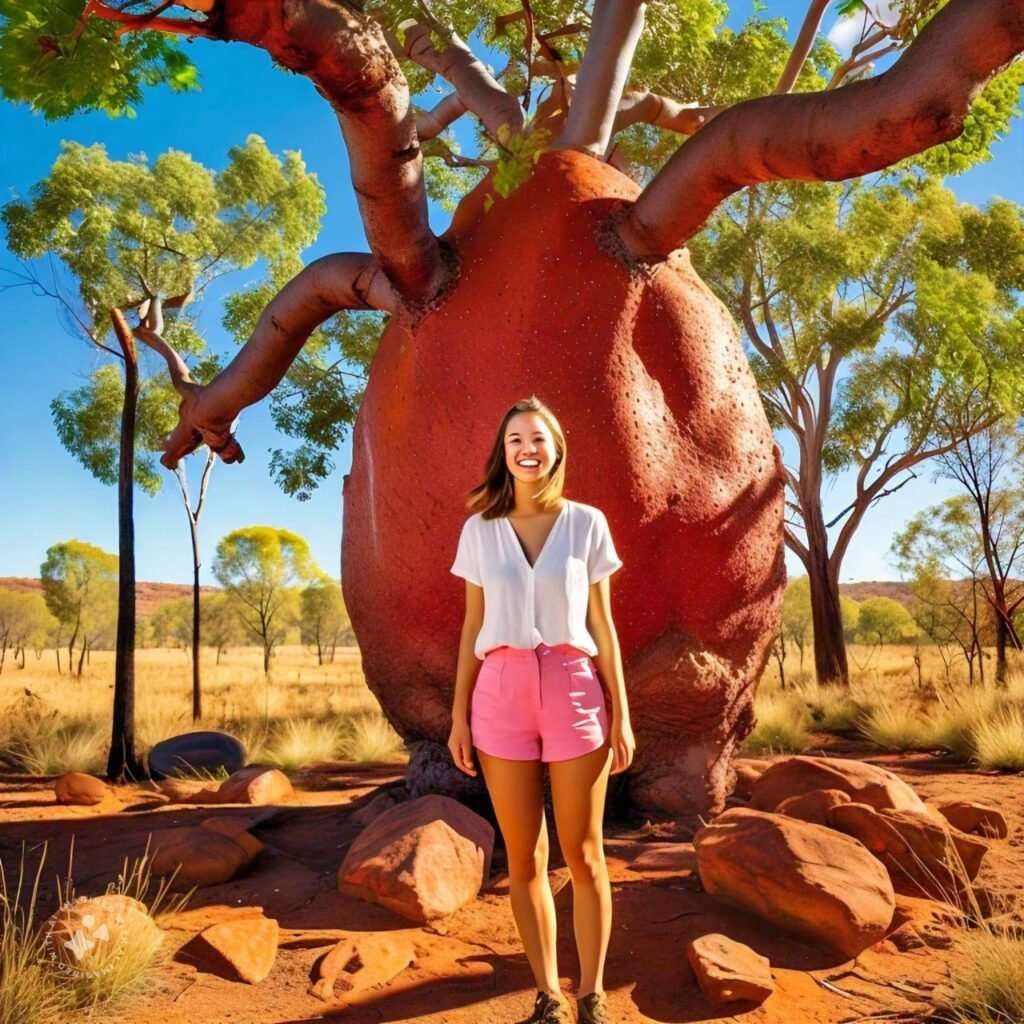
<point>529,447</point>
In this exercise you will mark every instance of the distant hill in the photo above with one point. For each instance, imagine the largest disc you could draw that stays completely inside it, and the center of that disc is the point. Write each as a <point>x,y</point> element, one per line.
<point>148,596</point>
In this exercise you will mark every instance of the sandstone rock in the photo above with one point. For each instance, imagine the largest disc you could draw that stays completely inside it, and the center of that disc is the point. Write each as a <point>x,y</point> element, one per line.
<point>256,784</point>
<point>975,819</point>
<point>191,752</point>
<point>728,971</point>
<point>679,858</point>
<point>865,783</point>
<point>804,878</point>
<point>365,814</point>
<point>236,831</point>
<point>924,856</point>
<point>91,932</point>
<point>423,858</point>
<point>183,790</point>
<point>249,947</point>
<point>80,788</point>
<point>813,805</point>
<point>746,775</point>
<point>204,856</point>
<point>362,961</point>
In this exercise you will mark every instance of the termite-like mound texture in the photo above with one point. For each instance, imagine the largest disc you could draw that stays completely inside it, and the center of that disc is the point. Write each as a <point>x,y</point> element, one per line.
<point>665,433</point>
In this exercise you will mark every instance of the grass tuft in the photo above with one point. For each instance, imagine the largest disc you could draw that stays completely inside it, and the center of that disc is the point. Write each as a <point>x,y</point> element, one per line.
<point>782,725</point>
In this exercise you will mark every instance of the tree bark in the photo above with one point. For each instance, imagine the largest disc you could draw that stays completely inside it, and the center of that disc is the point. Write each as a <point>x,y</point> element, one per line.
<point>865,126</point>
<point>122,761</point>
<point>830,661</point>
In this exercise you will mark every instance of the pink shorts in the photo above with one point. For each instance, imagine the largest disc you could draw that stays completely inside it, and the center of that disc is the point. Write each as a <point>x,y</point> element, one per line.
<point>545,703</point>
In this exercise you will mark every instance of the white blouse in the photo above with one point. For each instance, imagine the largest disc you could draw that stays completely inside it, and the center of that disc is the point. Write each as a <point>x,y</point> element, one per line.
<point>546,603</point>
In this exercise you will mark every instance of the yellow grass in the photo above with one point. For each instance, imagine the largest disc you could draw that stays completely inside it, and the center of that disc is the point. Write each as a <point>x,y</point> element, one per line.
<point>301,713</point>
<point>781,725</point>
<point>999,740</point>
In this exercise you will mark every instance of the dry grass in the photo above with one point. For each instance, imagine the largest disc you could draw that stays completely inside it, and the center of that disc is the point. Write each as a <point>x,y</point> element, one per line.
<point>999,740</point>
<point>898,726</point>
<point>115,974</point>
<point>302,713</point>
<point>781,725</point>
<point>989,987</point>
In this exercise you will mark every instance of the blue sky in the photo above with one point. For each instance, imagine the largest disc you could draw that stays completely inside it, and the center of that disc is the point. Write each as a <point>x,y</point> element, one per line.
<point>46,496</point>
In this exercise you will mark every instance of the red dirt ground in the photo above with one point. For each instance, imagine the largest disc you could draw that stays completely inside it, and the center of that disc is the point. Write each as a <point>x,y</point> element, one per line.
<point>471,968</point>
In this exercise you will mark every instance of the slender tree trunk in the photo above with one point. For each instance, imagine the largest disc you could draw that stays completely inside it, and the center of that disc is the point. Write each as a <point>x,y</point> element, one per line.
<point>56,651</point>
<point>197,702</point>
<point>81,657</point>
<point>1002,637</point>
<point>3,655</point>
<point>71,644</point>
<point>22,665</point>
<point>122,760</point>
<point>266,656</point>
<point>830,664</point>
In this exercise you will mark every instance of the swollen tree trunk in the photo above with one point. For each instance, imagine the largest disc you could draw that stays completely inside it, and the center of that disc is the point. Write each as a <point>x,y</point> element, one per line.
<point>122,761</point>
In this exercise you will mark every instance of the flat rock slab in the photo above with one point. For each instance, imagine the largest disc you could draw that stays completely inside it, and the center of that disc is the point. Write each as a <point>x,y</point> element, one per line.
<point>728,971</point>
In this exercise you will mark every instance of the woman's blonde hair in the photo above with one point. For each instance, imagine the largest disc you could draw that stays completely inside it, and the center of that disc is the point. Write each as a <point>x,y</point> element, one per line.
<point>494,496</point>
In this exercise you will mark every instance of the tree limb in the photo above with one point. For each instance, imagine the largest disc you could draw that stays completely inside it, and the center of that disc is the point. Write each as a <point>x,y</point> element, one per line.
<point>499,112</point>
<point>136,22</point>
<point>616,29</point>
<point>802,46</point>
<point>327,286</point>
<point>663,112</point>
<point>865,126</point>
<point>430,123</point>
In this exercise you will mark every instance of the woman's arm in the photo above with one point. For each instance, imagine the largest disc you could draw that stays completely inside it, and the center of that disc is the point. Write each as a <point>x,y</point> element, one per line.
<point>469,664</point>
<point>609,658</point>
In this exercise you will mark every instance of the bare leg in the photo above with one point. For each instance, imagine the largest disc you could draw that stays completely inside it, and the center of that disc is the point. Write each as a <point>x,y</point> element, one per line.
<point>516,790</point>
<point>578,789</point>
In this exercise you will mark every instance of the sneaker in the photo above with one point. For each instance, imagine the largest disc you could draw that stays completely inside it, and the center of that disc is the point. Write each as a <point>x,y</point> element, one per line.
<point>548,1009</point>
<point>593,1009</point>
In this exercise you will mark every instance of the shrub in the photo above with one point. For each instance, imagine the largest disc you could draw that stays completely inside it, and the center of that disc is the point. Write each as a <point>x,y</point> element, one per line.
<point>999,740</point>
<point>897,727</point>
<point>371,737</point>
<point>781,725</point>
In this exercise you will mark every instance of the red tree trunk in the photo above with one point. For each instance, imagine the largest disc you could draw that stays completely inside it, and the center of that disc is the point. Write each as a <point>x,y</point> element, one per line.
<point>665,433</point>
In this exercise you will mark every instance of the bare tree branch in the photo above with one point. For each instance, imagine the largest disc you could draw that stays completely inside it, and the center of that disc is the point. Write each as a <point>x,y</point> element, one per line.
<point>207,413</point>
<point>617,25</point>
<point>430,123</point>
<point>499,112</point>
<point>663,112</point>
<point>802,46</point>
<point>920,101</point>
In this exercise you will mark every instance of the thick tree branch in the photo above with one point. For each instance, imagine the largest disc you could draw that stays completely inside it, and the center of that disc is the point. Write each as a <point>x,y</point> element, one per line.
<point>663,112</point>
<point>920,101</point>
<point>499,112</point>
<point>136,22</point>
<point>333,283</point>
<point>616,29</point>
<point>430,123</point>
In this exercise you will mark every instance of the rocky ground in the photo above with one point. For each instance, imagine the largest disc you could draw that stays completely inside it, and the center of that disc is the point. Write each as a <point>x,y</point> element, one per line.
<point>469,967</point>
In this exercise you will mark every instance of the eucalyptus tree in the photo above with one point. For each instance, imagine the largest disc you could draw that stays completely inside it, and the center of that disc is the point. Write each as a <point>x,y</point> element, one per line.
<point>148,239</point>
<point>694,112</point>
<point>870,314</point>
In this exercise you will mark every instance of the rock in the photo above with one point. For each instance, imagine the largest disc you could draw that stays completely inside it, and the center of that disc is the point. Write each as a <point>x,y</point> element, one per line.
<point>422,858</point>
<point>905,938</point>
<point>814,805</point>
<point>365,814</point>
<point>864,783</point>
<point>975,819</point>
<point>746,775</point>
<point>236,831</point>
<point>728,971</point>
<point>203,856</point>
<point>90,932</point>
<point>924,856</point>
<point>184,790</point>
<point>931,923</point>
<point>800,877</point>
<point>191,752</point>
<point>679,858</point>
<point>248,947</point>
<point>79,788</point>
<point>362,961</point>
<point>256,784</point>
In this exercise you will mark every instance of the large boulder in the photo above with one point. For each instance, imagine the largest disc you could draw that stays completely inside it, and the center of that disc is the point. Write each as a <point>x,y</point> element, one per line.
<point>202,855</point>
<point>924,857</point>
<point>727,971</point>
<point>644,367</point>
<point>194,752</point>
<point>864,783</point>
<point>806,879</point>
<point>423,858</point>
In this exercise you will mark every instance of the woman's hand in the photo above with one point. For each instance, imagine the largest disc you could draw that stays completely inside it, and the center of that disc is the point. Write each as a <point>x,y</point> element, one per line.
<point>622,743</point>
<point>460,743</point>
